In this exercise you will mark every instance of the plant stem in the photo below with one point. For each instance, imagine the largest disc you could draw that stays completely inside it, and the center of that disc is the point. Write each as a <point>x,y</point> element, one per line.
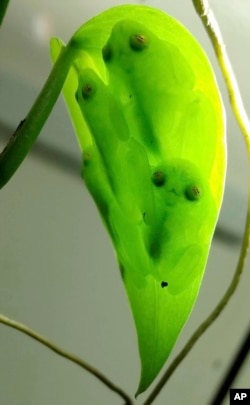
<point>234,368</point>
<point>208,19</point>
<point>28,130</point>
<point>212,28</point>
<point>3,8</point>
<point>69,356</point>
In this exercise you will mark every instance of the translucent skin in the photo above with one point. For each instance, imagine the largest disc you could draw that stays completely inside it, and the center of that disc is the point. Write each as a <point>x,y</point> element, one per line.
<point>154,162</point>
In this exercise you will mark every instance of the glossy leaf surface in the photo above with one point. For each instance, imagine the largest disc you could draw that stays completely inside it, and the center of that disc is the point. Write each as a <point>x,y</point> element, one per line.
<point>149,120</point>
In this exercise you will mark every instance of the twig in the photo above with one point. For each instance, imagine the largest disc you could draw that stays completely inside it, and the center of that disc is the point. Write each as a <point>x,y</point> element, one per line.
<point>214,33</point>
<point>69,356</point>
<point>3,8</point>
<point>208,19</point>
<point>233,370</point>
<point>28,130</point>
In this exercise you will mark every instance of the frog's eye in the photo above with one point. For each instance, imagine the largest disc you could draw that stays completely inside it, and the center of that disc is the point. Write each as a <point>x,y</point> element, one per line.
<point>159,178</point>
<point>88,89</point>
<point>193,192</point>
<point>138,42</point>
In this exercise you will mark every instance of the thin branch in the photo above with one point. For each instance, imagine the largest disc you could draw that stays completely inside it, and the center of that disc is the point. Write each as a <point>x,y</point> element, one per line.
<point>28,130</point>
<point>234,368</point>
<point>208,19</point>
<point>213,30</point>
<point>69,356</point>
<point>3,8</point>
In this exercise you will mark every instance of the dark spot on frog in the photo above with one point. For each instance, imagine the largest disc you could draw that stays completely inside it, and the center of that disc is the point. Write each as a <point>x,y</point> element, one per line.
<point>164,284</point>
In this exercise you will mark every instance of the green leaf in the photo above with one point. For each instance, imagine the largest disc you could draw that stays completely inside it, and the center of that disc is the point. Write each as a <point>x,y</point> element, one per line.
<point>150,122</point>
